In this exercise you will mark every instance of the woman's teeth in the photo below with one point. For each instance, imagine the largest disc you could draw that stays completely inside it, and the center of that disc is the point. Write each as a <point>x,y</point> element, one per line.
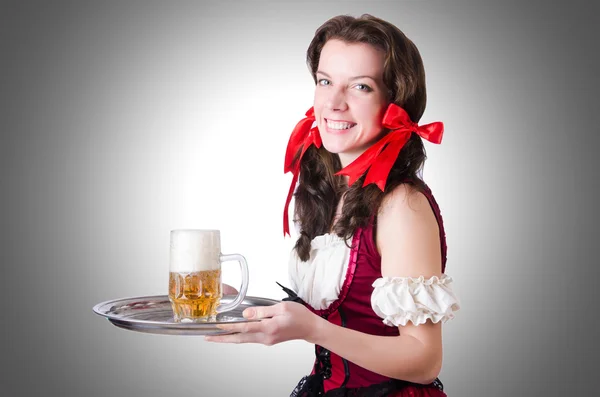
<point>339,125</point>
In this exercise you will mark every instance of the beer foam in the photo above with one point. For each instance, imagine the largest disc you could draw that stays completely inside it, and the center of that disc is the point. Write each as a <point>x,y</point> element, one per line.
<point>195,250</point>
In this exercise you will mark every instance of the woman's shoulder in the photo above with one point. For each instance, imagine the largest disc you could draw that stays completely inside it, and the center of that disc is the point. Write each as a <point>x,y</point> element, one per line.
<point>406,198</point>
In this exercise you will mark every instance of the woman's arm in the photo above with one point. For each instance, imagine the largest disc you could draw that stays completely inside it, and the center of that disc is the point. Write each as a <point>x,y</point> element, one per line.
<point>414,356</point>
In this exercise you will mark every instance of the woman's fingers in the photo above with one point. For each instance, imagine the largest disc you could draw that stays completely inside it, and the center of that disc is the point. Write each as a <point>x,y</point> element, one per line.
<point>236,338</point>
<point>249,327</point>
<point>229,290</point>
<point>263,311</point>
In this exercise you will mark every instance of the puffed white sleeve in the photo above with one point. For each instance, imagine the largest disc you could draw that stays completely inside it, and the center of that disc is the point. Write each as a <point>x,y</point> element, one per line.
<point>398,300</point>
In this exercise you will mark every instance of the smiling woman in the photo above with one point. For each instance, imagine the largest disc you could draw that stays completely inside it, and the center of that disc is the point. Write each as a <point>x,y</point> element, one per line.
<point>368,268</point>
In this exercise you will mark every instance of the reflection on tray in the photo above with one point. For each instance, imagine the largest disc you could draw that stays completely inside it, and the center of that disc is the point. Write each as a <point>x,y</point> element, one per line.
<point>141,305</point>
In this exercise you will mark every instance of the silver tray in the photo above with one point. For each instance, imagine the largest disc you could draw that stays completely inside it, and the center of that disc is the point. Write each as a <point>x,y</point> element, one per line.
<point>153,314</point>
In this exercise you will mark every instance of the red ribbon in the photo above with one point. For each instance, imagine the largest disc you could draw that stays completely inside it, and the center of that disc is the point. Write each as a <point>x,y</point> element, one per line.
<point>302,137</point>
<point>379,158</point>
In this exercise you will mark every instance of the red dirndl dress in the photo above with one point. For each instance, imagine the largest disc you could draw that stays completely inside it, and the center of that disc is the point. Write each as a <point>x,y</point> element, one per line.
<point>332,375</point>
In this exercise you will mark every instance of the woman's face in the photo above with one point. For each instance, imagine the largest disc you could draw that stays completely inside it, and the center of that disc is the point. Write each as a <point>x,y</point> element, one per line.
<point>350,98</point>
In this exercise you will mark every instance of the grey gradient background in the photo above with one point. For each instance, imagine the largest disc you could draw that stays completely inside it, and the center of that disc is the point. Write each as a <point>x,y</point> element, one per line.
<point>123,120</point>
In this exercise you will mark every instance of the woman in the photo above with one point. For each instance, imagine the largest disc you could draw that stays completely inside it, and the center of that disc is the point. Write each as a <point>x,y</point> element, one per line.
<point>367,270</point>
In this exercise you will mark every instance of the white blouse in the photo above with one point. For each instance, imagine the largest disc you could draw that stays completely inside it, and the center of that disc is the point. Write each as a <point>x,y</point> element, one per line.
<point>319,280</point>
<point>397,300</point>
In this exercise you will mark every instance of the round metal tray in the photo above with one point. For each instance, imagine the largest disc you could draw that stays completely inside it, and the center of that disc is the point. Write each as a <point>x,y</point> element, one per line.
<point>153,314</point>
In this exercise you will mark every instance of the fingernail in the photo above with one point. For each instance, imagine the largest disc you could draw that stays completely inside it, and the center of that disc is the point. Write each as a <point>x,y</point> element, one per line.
<point>248,313</point>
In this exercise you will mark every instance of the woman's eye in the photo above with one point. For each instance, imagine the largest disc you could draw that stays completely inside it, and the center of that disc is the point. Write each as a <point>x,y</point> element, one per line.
<point>324,82</point>
<point>363,87</point>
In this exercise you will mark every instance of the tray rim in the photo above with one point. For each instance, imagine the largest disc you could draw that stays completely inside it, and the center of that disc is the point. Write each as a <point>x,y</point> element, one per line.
<point>149,325</point>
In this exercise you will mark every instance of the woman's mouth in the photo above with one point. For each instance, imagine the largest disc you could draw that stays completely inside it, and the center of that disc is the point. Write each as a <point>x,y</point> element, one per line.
<point>336,126</point>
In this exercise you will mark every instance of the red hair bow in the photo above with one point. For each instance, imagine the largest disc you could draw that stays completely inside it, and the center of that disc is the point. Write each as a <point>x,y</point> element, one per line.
<point>379,158</point>
<point>302,137</point>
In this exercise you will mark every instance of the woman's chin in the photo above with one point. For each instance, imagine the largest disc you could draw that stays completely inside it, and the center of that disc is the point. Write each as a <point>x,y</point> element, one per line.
<point>335,145</point>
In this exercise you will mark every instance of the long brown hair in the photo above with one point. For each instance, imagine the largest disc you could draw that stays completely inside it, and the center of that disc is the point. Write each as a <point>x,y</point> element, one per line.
<point>319,190</point>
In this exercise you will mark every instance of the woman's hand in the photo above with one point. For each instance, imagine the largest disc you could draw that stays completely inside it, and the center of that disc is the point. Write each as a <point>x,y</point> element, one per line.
<point>229,290</point>
<point>279,323</point>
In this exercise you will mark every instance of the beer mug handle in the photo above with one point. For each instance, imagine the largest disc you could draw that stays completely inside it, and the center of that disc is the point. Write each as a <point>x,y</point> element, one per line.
<point>244,288</point>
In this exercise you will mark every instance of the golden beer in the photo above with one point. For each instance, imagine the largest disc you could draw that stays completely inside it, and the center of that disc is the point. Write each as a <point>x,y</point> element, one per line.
<point>195,296</point>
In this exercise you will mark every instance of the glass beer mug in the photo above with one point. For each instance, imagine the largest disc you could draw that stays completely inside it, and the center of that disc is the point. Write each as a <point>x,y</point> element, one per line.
<point>195,287</point>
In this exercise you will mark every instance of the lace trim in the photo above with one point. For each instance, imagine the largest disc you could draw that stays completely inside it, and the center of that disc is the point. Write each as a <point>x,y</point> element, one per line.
<point>312,386</point>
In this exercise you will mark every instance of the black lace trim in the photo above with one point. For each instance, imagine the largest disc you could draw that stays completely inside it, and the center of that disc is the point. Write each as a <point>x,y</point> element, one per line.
<point>309,386</point>
<point>312,386</point>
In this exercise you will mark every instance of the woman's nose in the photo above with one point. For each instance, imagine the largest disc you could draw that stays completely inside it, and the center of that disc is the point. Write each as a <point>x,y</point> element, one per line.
<point>337,100</point>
